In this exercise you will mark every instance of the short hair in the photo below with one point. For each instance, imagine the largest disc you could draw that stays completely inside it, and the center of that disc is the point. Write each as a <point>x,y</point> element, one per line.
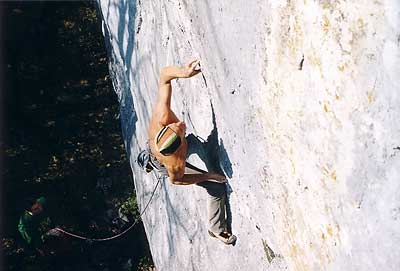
<point>42,201</point>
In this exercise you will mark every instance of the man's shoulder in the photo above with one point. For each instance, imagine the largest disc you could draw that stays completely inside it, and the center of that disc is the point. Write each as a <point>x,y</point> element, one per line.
<point>26,217</point>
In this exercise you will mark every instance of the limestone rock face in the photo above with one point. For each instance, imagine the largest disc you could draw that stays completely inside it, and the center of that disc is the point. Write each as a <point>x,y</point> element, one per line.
<point>301,101</point>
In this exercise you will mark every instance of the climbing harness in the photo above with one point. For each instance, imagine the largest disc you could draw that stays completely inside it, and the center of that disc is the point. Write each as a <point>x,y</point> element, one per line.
<point>121,233</point>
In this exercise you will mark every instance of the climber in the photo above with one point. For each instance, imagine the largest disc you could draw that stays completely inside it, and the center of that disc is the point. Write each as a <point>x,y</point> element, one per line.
<point>169,148</point>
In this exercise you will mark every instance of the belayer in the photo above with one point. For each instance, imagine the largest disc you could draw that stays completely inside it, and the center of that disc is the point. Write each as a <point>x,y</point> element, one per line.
<point>168,151</point>
<point>29,225</point>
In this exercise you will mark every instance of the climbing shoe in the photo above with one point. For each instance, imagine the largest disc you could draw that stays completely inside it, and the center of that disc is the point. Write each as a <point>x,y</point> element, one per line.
<point>225,237</point>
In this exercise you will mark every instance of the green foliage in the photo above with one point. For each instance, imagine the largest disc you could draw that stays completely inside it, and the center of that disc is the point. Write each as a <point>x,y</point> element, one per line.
<point>7,245</point>
<point>130,208</point>
<point>145,264</point>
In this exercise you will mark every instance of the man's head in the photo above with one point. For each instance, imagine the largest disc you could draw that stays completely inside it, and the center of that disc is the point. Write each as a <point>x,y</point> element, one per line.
<point>169,138</point>
<point>38,206</point>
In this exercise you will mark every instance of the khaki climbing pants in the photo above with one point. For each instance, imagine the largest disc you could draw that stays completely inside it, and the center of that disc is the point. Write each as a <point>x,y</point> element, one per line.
<point>216,201</point>
<point>216,198</point>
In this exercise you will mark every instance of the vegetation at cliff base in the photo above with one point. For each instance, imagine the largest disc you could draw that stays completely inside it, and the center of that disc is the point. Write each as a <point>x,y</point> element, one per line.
<point>62,140</point>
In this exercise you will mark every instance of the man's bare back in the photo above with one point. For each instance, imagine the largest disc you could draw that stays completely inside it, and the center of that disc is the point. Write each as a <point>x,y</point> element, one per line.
<point>163,116</point>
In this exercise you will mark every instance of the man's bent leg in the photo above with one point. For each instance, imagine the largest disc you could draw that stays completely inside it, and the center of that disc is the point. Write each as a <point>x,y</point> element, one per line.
<point>215,205</point>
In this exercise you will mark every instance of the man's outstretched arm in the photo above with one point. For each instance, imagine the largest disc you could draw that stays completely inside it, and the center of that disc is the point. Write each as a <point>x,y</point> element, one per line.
<point>162,108</point>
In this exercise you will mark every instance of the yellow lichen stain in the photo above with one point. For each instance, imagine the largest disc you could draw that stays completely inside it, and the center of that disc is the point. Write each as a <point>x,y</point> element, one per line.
<point>298,258</point>
<point>317,62</point>
<point>329,173</point>
<point>329,5</point>
<point>329,230</point>
<point>293,166</point>
<point>327,209</point>
<point>371,97</point>
<point>332,231</point>
<point>291,161</point>
<point>325,170</point>
<point>333,175</point>
<point>326,109</point>
<point>296,36</point>
<point>292,231</point>
<point>314,59</point>
<point>293,251</point>
<point>294,24</point>
<point>360,23</point>
<point>329,239</point>
<point>341,68</point>
<point>325,24</point>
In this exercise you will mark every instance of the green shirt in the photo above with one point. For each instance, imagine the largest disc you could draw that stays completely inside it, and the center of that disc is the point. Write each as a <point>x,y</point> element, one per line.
<point>28,226</point>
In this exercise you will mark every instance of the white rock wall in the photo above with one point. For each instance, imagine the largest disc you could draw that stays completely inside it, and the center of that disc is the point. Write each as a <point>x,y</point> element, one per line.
<point>305,97</point>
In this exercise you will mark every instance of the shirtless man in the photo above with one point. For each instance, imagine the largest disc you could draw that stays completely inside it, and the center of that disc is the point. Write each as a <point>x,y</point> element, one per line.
<point>169,146</point>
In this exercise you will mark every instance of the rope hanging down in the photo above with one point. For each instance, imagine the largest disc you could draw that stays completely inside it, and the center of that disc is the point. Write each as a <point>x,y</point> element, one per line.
<point>119,234</point>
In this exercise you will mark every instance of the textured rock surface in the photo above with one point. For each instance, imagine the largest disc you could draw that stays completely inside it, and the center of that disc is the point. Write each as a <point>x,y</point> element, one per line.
<point>302,100</point>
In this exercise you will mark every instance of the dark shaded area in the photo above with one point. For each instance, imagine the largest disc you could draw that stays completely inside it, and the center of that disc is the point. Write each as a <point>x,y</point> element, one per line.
<point>211,152</point>
<point>1,131</point>
<point>61,138</point>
